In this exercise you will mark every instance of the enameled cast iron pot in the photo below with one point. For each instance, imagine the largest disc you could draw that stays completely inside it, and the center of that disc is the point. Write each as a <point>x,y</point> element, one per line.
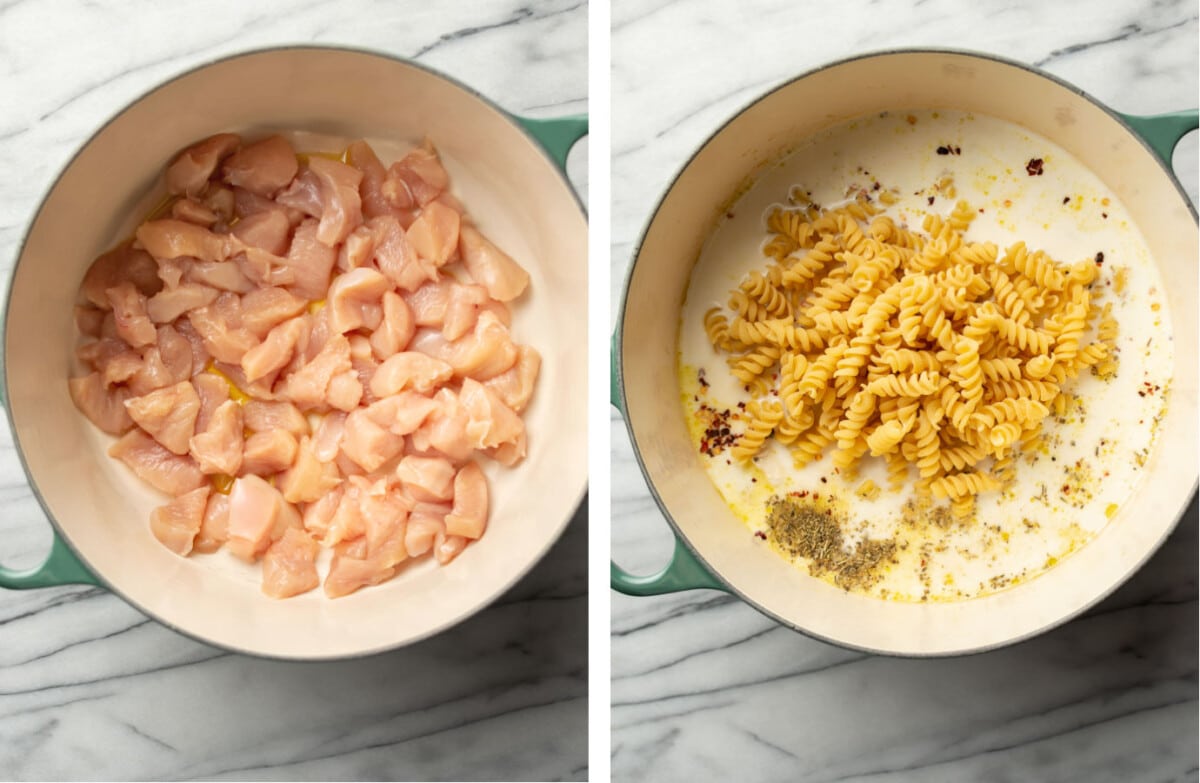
<point>1131,155</point>
<point>509,173</point>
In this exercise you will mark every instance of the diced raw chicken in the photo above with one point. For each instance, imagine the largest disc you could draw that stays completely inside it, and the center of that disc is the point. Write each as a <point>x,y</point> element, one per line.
<point>425,522</point>
<point>122,366</point>
<point>177,523</point>
<point>220,200</point>
<point>242,388</point>
<point>262,268</point>
<point>267,229</point>
<point>434,234</point>
<point>98,353</point>
<point>447,305</point>
<point>347,522</point>
<point>469,514</point>
<point>410,370</point>
<point>310,261</point>
<point>274,352</point>
<point>222,275</point>
<point>489,421</point>
<point>327,439</point>
<point>397,328</point>
<point>214,528</point>
<point>290,565</point>
<point>498,309</point>
<point>169,238</point>
<point>224,341</point>
<point>218,447</point>
<point>515,385</point>
<point>357,250</point>
<point>264,308</point>
<point>401,413</point>
<point>151,374</point>
<point>263,167</point>
<point>104,407</point>
<point>268,452</point>
<point>319,513</point>
<point>170,473</point>
<point>254,508</point>
<point>170,303</point>
<point>484,353</point>
<point>490,266</point>
<point>396,258</point>
<point>129,310</point>
<point>446,547</point>
<point>315,340</point>
<point>88,320</point>
<point>367,443</point>
<point>426,479</point>
<point>341,210</point>
<point>175,352</point>
<point>345,391</point>
<point>509,453</point>
<point>348,574</point>
<point>168,415</point>
<point>246,204</point>
<point>262,415</point>
<point>362,361</point>
<point>417,178</point>
<point>445,430</point>
<point>303,194</point>
<point>191,169</point>
<point>170,270</point>
<point>355,300</point>
<point>213,391</point>
<point>360,155</point>
<point>190,211</point>
<point>385,515</point>
<point>307,386</point>
<point>122,264</point>
<point>200,357</point>
<point>308,479</point>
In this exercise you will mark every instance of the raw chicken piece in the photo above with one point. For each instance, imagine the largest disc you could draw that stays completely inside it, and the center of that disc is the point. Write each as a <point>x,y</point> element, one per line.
<point>105,408</point>
<point>347,574</point>
<point>168,415</point>
<point>445,430</point>
<point>489,421</point>
<point>345,391</point>
<point>357,250</point>
<point>151,374</point>
<point>191,169</point>
<point>484,353</point>
<point>177,523</point>
<point>153,464</point>
<point>310,262</point>
<point>190,211</point>
<point>401,413</point>
<point>303,195</point>
<point>170,303</point>
<point>218,447</point>
<point>385,516</point>
<point>447,305</point>
<point>263,167</point>
<point>129,310</point>
<point>416,179</point>
<point>515,385</point>
<point>226,342</point>
<point>246,204</point>
<point>98,353</point>
<point>469,514</point>
<point>274,352</point>
<point>367,443</point>
<point>360,155</point>
<point>262,416</point>
<point>397,328</point>
<point>88,320</point>
<point>306,387</point>
<point>362,361</point>
<point>200,357</point>
<point>508,453</point>
<point>122,264</point>
<point>355,300</point>
<point>175,353</point>
<point>168,238</point>
<point>327,440</point>
<point>254,508</point>
<point>213,391</point>
<point>308,479</point>
<point>267,229</point>
<point>170,270</point>
<point>319,513</point>
<point>395,256</point>
<point>490,266</point>
<point>341,207</point>
<point>446,547</point>
<point>221,201</point>
<point>425,523</point>
<point>410,369</point>
<point>214,528</point>
<point>268,452</point>
<point>264,308</point>
<point>434,234</point>
<point>347,522</point>
<point>222,275</point>
<point>290,565</point>
<point>426,479</point>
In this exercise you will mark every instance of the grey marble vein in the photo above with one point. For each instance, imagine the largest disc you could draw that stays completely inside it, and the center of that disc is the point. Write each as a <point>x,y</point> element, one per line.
<point>89,687</point>
<point>704,687</point>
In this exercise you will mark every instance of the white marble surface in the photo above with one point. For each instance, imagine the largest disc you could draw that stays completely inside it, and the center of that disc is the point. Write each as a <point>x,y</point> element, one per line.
<point>91,689</point>
<point>706,688</point>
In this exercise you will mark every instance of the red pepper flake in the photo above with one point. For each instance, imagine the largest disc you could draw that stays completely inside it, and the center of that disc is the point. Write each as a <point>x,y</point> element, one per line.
<point>824,480</point>
<point>875,186</point>
<point>1100,259</point>
<point>930,201</point>
<point>1066,199</point>
<point>729,215</point>
<point>949,149</point>
<point>943,150</point>
<point>1034,167</point>
<point>981,210</point>
<point>1066,489</point>
<point>760,535</point>
<point>1104,215</point>
<point>753,480</point>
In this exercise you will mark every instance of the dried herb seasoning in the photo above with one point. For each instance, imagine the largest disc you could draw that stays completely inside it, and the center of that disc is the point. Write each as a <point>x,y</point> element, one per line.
<point>802,529</point>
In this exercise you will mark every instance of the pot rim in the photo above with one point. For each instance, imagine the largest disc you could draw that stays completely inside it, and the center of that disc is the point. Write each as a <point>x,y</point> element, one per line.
<point>57,529</point>
<point>619,338</point>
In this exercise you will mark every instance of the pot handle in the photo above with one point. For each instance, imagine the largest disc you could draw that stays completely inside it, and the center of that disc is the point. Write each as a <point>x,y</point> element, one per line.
<point>1163,131</point>
<point>61,567</point>
<point>684,571</point>
<point>556,134</point>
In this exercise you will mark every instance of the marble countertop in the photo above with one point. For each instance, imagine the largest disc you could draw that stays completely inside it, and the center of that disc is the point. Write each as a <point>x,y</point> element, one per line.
<point>90,688</point>
<point>706,688</point>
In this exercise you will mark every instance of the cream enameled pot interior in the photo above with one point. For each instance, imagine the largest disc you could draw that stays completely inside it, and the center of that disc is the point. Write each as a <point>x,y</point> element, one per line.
<point>650,325</point>
<point>516,195</point>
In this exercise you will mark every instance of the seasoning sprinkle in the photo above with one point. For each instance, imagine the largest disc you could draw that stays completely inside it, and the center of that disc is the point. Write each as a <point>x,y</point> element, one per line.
<point>804,530</point>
